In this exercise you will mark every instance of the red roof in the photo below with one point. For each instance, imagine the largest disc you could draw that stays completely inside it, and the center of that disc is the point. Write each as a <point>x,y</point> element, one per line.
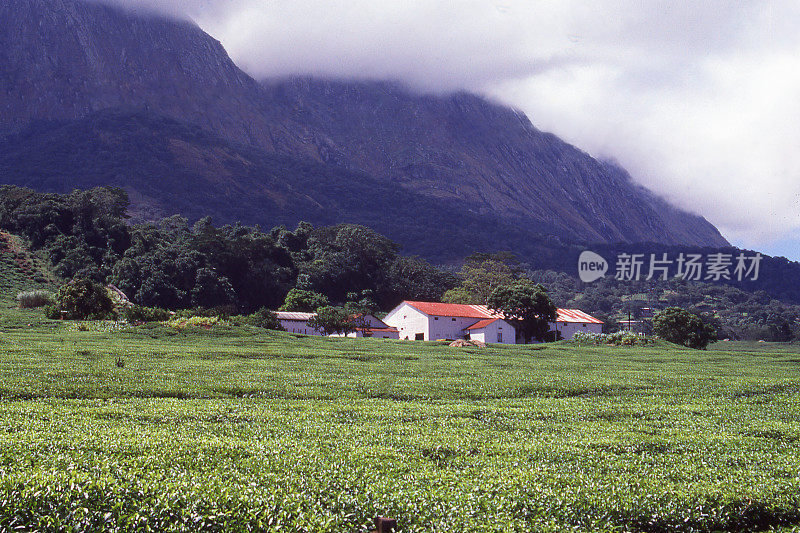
<point>480,324</point>
<point>457,310</point>
<point>576,315</point>
<point>483,312</point>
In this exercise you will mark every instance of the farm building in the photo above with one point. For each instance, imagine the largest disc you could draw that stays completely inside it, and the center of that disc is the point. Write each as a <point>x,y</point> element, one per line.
<point>297,322</point>
<point>376,329</point>
<point>436,320</point>
<point>571,321</point>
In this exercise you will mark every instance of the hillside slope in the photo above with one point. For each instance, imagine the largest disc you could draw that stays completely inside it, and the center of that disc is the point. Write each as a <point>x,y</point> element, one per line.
<point>168,167</point>
<point>67,59</point>
<point>21,269</point>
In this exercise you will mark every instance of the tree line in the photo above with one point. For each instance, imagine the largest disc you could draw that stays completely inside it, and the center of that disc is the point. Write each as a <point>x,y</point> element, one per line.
<point>173,264</point>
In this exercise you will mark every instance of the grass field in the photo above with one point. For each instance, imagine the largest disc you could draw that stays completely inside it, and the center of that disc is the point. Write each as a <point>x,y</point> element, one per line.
<point>245,430</point>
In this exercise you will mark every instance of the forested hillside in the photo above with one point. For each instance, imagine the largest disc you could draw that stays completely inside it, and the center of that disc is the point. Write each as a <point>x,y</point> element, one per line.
<point>177,265</point>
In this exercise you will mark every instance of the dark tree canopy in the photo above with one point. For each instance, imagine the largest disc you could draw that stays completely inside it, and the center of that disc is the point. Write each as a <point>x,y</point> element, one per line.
<point>682,327</point>
<point>81,299</point>
<point>304,301</point>
<point>173,264</point>
<point>334,320</point>
<point>527,306</point>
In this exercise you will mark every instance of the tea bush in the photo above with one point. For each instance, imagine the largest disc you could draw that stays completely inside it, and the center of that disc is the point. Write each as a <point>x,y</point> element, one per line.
<point>138,313</point>
<point>620,338</point>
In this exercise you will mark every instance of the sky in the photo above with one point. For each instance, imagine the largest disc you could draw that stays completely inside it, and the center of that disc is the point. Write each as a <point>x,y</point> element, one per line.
<point>699,101</point>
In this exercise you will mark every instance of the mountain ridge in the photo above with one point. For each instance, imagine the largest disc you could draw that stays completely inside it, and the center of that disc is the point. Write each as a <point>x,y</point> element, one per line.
<point>69,59</point>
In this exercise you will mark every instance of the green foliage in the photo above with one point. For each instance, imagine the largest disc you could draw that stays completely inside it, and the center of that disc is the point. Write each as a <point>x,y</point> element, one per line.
<point>32,299</point>
<point>263,318</point>
<point>527,306</point>
<point>481,274</point>
<point>81,299</point>
<point>737,314</point>
<point>82,232</point>
<point>333,320</point>
<point>682,327</point>
<point>230,430</point>
<point>619,338</point>
<point>139,313</point>
<point>304,301</point>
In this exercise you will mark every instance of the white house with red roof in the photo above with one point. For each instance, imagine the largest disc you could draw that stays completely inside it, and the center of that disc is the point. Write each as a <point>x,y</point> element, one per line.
<point>571,321</point>
<point>436,320</point>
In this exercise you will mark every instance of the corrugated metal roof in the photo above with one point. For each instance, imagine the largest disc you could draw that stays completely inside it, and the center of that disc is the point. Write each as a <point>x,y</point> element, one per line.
<point>455,310</point>
<point>481,311</point>
<point>576,315</point>
<point>480,324</point>
<point>293,315</point>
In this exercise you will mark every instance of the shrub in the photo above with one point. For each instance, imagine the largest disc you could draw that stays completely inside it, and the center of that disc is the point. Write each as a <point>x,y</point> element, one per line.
<point>682,327</point>
<point>263,318</point>
<point>206,322</point>
<point>140,313</point>
<point>620,338</point>
<point>31,299</point>
<point>81,299</point>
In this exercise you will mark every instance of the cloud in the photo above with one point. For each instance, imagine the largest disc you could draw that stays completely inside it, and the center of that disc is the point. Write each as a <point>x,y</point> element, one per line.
<point>698,100</point>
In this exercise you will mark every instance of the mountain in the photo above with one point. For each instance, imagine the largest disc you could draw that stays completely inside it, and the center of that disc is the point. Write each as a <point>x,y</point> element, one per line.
<point>486,155</point>
<point>168,166</point>
<point>85,78</point>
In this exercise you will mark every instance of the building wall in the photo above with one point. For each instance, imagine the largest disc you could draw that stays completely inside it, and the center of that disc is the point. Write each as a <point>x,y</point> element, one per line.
<point>478,335</point>
<point>299,326</point>
<point>449,327</point>
<point>509,334</point>
<point>375,334</point>
<point>408,321</point>
<point>569,329</point>
<point>489,334</point>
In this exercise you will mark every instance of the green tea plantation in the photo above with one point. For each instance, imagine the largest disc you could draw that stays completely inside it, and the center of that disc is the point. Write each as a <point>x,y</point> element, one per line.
<point>159,428</point>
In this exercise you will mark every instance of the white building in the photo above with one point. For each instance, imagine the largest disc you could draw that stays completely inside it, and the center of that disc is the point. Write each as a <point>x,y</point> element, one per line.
<point>435,320</point>
<point>297,322</point>
<point>571,321</point>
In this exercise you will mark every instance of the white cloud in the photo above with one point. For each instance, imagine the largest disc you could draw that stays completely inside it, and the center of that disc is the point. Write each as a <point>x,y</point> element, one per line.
<point>699,100</point>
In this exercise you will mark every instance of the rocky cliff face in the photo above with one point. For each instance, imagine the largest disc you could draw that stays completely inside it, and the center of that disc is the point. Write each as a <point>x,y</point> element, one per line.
<point>67,59</point>
<point>488,156</point>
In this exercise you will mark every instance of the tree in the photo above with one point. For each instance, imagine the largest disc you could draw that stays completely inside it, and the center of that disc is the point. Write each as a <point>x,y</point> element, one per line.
<point>527,306</point>
<point>81,299</point>
<point>304,301</point>
<point>481,275</point>
<point>679,326</point>
<point>211,289</point>
<point>264,318</point>
<point>333,320</point>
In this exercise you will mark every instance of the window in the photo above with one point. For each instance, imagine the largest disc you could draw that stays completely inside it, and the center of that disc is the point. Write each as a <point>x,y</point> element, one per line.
<point>454,320</point>
<point>499,336</point>
<point>436,318</point>
<point>419,337</point>
<point>584,325</point>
